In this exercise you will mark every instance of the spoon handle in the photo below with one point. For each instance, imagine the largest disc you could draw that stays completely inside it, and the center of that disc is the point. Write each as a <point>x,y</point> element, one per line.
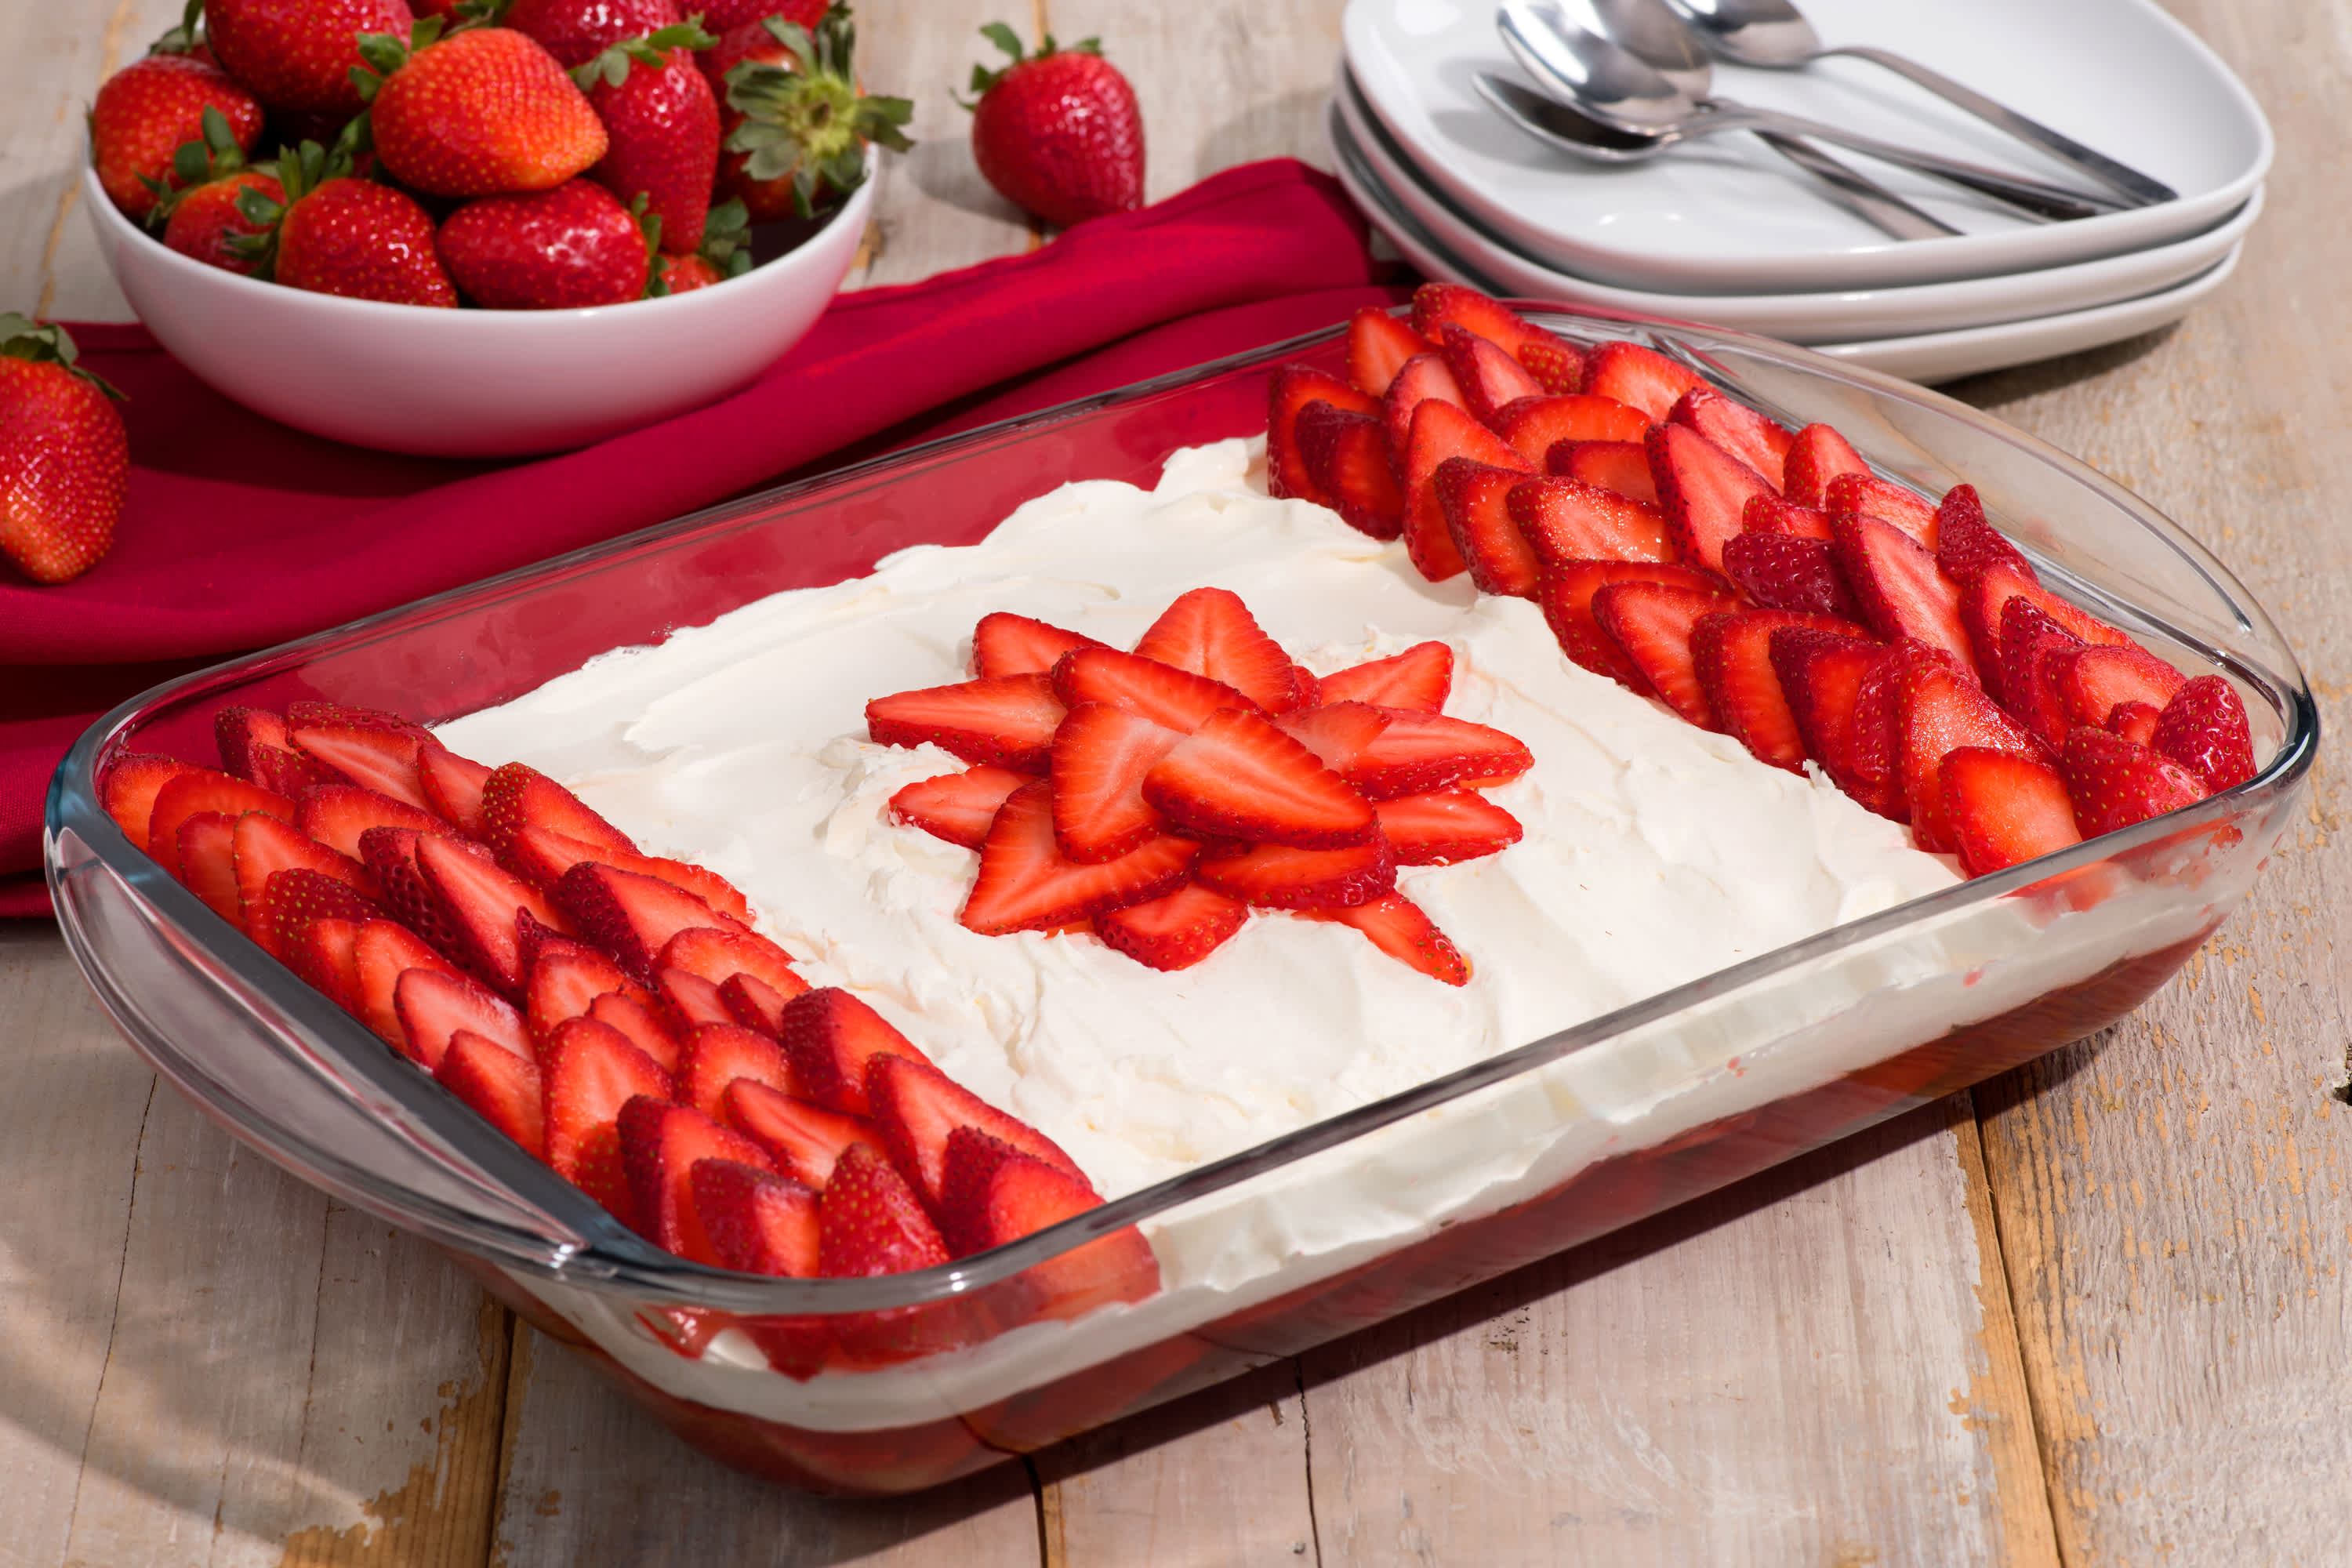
<point>2125,181</point>
<point>1864,196</point>
<point>2030,196</point>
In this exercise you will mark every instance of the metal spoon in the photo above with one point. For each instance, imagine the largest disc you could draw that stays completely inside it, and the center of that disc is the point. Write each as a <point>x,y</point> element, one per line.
<point>1775,36</point>
<point>1610,85</point>
<point>1653,35</point>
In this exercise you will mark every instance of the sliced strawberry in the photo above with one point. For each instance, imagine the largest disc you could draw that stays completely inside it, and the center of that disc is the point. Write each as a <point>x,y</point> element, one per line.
<point>755,1004</point>
<point>1867,495</point>
<point>1278,877</point>
<point>589,1070</point>
<point>1937,710</point>
<point>433,1004</point>
<point>1490,379</point>
<point>2115,783</point>
<point>1339,733</point>
<point>1638,377</point>
<point>503,1089</point>
<point>1004,643</point>
<point>660,1145</point>
<point>382,953</point>
<point>1703,489</point>
<point>870,1222</point>
<point>647,1028</point>
<point>829,1037</point>
<point>562,983</point>
<point>293,898</point>
<point>1101,755</point>
<point>1006,721</point>
<point>183,795</point>
<point>1984,599</point>
<point>2091,681</point>
<point>1436,306</point>
<point>1902,592</point>
<point>598,1170</point>
<point>1875,742</point>
<point>390,855</point>
<point>995,1194</point>
<point>957,807</point>
<point>1732,651</point>
<point>129,786</point>
<point>518,795</point>
<point>479,901</point>
<point>1784,572</point>
<point>1442,430</point>
<point>1772,514</point>
<point>1822,675</point>
<point>1556,365</point>
<point>325,955</point>
<point>1289,391</point>
<point>1239,776</point>
<point>1175,932</point>
<point>715,954</point>
<point>1417,751</point>
<point>262,845</point>
<point>1175,699</point>
<point>1566,520</point>
<point>1211,632</point>
<point>1565,594</point>
<point>1651,623</point>
<point>629,914</point>
<point>453,786</point>
<point>540,855</point>
<point>1534,426</point>
<point>382,760</point>
<point>1347,456</point>
<point>1473,498</point>
<point>2136,722</point>
<point>206,856</point>
<point>336,815</point>
<point>2204,728</point>
<point>1417,380</point>
<point>690,999</point>
<point>756,1221</point>
<point>254,747</point>
<point>801,1139</point>
<point>1398,926</point>
<point>2030,641</point>
<point>1622,467</point>
<point>717,1054</point>
<point>305,712</point>
<point>1446,826</point>
<point>1736,428</point>
<point>1378,346</point>
<point>2004,807</point>
<point>1817,455</point>
<point>1966,544</point>
<point>1026,883</point>
<point>1421,676</point>
<point>916,1107</point>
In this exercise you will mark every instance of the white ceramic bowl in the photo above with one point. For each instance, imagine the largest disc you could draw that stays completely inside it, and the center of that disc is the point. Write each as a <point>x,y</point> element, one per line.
<point>472,384</point>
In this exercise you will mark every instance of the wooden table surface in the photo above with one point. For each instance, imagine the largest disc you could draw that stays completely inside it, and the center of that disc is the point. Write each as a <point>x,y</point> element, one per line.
<point>2091,1312</point>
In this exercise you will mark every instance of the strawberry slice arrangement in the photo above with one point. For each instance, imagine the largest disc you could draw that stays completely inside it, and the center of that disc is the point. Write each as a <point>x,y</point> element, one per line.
<point>613,1012</point>
<point>1155,796</point>
<point>1760,581</point>
<point>510,154</point>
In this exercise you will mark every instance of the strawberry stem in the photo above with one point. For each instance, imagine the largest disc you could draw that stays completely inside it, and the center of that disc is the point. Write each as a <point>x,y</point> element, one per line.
<point>812,123</point>
<point>46,342</point>
<point>1005,38</point>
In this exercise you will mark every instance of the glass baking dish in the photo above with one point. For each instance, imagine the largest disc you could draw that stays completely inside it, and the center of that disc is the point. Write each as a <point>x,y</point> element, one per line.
<point>922,1377</point>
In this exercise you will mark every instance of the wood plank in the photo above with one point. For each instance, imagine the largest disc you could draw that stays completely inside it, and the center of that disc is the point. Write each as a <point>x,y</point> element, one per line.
<point>590,1477</point>
<point>1798,1370</point>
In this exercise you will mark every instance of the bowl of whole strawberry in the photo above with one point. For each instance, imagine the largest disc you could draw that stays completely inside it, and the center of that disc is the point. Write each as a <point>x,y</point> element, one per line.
<point>517,226</point>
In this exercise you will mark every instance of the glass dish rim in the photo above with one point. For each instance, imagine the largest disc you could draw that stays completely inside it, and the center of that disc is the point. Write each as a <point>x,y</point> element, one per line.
<point>610,1257</point>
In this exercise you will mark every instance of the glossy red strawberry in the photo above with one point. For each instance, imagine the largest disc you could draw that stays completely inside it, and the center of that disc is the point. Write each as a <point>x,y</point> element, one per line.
<point>577,31</point>
<point>794,123</point>
<point>1211,632</point>
<point>297,54</point>
<point>485,111</point>
<point>145,113</point>
<point>65,458</point>
<point>957,807</point>
<point>1026,883</point>
<point>1057,132</point>
<point>662,121</point>
<point>1175,931</point>
<point>210,223</point>
<point>2003,807</point>
<point>574,246</point>
<point>1398,926</point>
<point>353,237</point>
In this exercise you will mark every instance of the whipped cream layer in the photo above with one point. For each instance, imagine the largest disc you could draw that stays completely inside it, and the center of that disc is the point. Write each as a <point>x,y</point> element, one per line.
<point>1655,852</point>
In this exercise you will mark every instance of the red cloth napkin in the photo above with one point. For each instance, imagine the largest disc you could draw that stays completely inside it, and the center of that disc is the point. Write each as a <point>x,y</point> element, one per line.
<point>240,533</point>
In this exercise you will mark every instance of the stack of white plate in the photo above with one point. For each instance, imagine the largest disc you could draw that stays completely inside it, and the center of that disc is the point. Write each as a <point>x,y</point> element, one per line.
<point>1722,230</point>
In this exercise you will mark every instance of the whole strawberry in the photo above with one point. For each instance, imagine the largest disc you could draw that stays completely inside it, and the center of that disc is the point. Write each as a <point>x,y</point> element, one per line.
<point>719,16</point>
<point>297,54</point>
<point>337,234</point>
<point>483,112</point>
<point>725,252</point>
<point>200,207</point>
<point>571,247</point>
<point>577,31</point>
<point>796,126</point>
<point>662,124</point>
<point>147,110</point>
<point>1057,132</point>
<point>65,458</point>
